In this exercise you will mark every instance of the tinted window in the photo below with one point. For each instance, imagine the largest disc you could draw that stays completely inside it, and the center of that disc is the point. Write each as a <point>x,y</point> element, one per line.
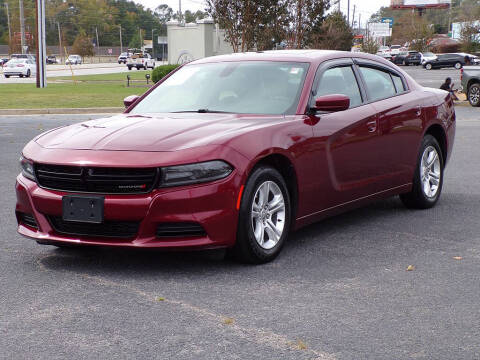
<point>340,80</point>
<point>397,80</point>
<point>379,83</point>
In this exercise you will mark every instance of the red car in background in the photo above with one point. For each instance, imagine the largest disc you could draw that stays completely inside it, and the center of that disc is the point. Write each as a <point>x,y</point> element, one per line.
<point>235,151</point>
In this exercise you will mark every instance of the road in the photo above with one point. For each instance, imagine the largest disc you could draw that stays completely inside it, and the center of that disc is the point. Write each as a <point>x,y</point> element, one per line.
<point>65,70</point>
<point>339,290</point>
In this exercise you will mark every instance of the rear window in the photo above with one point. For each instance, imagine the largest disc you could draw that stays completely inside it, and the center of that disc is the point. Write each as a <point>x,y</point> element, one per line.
<point>379,83</point>
<point>399,86</point>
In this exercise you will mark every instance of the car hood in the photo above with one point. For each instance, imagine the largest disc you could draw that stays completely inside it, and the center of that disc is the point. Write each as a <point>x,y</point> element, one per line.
<point>165,132</point>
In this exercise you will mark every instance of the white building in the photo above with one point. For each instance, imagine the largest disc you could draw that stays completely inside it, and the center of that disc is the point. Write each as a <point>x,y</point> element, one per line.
<point>457,29</point>
<point>187,42</point>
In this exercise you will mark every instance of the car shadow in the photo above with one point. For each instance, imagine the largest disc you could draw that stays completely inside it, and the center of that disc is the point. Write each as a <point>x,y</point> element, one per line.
<point>115,260</point>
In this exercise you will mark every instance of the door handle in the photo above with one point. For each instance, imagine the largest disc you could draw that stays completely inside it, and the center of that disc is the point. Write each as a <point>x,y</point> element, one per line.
<point>372,126</point>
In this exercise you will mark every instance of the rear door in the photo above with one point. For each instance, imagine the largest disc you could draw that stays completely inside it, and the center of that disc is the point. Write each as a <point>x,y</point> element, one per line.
<point>348,140</point>
<point>399,113</point>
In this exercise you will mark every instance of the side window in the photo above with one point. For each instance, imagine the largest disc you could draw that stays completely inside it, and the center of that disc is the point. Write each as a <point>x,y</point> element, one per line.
<point>397,80</point>
<point>340,80</point>
<point>379,83</point>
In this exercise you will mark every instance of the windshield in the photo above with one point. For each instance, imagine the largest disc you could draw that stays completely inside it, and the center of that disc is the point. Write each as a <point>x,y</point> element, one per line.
<point>429,54</point>
<point>249,87</point>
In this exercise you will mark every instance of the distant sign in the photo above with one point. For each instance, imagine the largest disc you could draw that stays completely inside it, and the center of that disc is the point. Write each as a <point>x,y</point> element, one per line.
<point>388,20</point>
<point>379,29</point>
<point>420,3</point>
<point>110,51</point>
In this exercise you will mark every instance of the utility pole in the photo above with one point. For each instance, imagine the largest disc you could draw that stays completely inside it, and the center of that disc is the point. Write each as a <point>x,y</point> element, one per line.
<point>180,11</point>
<point>353,16</point>
<point>360,21</point>
<point>41,44</point>
<point>22,25</point>
<point>339,9</point>
<point>59,42</point>
<point>121,42</point>
<point>98,44</point>
<point>348,12</point>
<point>153,45</point>
<point>9,27</point>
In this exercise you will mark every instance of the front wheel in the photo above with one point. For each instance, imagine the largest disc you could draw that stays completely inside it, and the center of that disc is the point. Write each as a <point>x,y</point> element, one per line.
<point>28,73</point>
<point>428,66</point>
<point>264,218</point>
<point>474,95</point>
<point>458,65</point>
<point>428,176</point>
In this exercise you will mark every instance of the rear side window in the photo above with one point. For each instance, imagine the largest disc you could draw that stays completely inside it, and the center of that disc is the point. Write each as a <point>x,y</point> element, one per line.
<point>379,83</point>
<point>340,80</point>
<point>397,80</point>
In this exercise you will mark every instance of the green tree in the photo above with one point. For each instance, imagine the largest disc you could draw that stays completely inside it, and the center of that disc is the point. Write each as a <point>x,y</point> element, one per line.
<point>136,42</point>
<point>336,33</point>
<point>370,46</point>
<point>83,46</point>
<point>470,37</point>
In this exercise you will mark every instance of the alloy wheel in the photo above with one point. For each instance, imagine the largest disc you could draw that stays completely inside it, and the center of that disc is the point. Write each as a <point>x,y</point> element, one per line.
<point>474,95</point>
<point>268,214</point>
<point>430,172</point>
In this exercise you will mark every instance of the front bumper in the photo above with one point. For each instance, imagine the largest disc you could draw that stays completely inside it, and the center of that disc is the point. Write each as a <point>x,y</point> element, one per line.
<point>210,205</point>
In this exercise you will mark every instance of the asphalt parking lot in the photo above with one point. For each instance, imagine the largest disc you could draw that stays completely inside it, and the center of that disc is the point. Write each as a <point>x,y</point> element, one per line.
<point>339,290</point>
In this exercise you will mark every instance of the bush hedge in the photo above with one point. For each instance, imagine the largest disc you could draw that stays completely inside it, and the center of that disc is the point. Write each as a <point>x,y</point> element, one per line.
<point>159,72</point>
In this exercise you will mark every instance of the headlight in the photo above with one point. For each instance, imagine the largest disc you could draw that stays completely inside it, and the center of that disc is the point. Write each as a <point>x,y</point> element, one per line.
<point>195,173</point>
<point>27,168</point>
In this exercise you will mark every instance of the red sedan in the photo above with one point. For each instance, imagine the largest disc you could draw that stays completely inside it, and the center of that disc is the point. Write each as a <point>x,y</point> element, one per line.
<point>235,152</point>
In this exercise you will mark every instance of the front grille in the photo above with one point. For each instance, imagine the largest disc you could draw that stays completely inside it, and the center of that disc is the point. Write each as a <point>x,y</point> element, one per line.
<point>28,220</point>
<point>113,229</point>
<point>180,229</point>
<point>96,179</point>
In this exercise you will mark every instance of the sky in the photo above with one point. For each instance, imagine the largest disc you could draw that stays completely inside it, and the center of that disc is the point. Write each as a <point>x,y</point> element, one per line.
<point>364,7</point>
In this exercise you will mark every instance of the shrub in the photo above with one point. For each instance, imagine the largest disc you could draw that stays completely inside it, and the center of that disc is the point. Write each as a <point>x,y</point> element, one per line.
<point>161,71</point>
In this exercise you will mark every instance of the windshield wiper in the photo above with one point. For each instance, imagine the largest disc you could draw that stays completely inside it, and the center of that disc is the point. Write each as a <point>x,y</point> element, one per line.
<point>204,111</point>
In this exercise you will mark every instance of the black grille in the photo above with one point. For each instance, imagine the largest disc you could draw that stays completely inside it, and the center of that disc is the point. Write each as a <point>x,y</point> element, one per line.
<point>96,179</point>
<point>113,229</point>
<point>180,229</point>
<point>27,219</point>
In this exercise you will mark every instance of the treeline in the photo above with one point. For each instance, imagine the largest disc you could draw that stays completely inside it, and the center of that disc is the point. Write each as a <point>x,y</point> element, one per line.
<point>264,24</point>
<point>86,18</point>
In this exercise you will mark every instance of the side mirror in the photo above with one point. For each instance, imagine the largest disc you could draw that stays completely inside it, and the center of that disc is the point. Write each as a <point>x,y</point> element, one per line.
<point>129,100</point>
<point>332,103</point>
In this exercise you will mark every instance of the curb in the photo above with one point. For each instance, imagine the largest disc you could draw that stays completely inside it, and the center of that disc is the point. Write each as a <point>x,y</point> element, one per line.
<point>461,103</point>
<point>103,110</point>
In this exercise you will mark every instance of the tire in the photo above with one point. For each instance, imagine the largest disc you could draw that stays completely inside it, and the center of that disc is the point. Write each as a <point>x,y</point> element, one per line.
<point>28,73</point>
<point>425,193</point>
<point>458,65</point>
<point>7,76</point>
<point>129,67</point>
<point>21,75</point>
<point>263,180</point>
<point>473,95</point>
<point>428,66</point>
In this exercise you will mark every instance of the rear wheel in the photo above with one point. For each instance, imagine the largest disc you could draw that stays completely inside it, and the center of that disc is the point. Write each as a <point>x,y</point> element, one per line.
<point>7,76</point>
<point>129,67</point>
<point>458,65</point>
<point>28,73</point>
<point>428,177</point>
<point>474,95</point>
<point>264,218</point>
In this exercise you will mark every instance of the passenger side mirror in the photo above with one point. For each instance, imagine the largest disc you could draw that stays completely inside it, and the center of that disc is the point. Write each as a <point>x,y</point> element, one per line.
<point>129,100</point>
<point>332,103</point>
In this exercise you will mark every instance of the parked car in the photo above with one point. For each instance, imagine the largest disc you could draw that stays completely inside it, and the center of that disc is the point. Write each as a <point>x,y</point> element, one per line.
<point>445,61</point>
<point>385,55</point>
<point>407,58</point>
<point>3,61</point>
<point>20,67</point>
<point>52,59</point>
<point>73,60</point>
<point>122,58</point>
<point>383,50</point>
<point>23,56</point>
<point>140,61</point>
<point>235,151</point>
<point>395,49</point>
<point>428,56</point>
<point>470,77</point>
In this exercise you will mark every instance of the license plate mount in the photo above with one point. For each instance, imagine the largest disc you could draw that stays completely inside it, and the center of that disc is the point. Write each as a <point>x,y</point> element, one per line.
<point>87,209</point>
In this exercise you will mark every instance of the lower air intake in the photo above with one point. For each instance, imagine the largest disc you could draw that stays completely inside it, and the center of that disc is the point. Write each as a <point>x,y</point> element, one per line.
<point>180,229</point>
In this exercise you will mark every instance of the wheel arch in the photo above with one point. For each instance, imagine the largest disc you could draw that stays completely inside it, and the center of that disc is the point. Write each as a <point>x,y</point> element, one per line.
<point>471,82</point>
<point>285,167</point>
<point>439,134</point>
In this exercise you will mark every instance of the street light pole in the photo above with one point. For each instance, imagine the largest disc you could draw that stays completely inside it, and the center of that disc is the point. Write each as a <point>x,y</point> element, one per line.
<point>41,44</point>
<point>121,42</point>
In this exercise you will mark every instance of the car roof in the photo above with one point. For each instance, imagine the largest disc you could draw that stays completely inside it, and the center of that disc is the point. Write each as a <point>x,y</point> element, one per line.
<point>309,56</point>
